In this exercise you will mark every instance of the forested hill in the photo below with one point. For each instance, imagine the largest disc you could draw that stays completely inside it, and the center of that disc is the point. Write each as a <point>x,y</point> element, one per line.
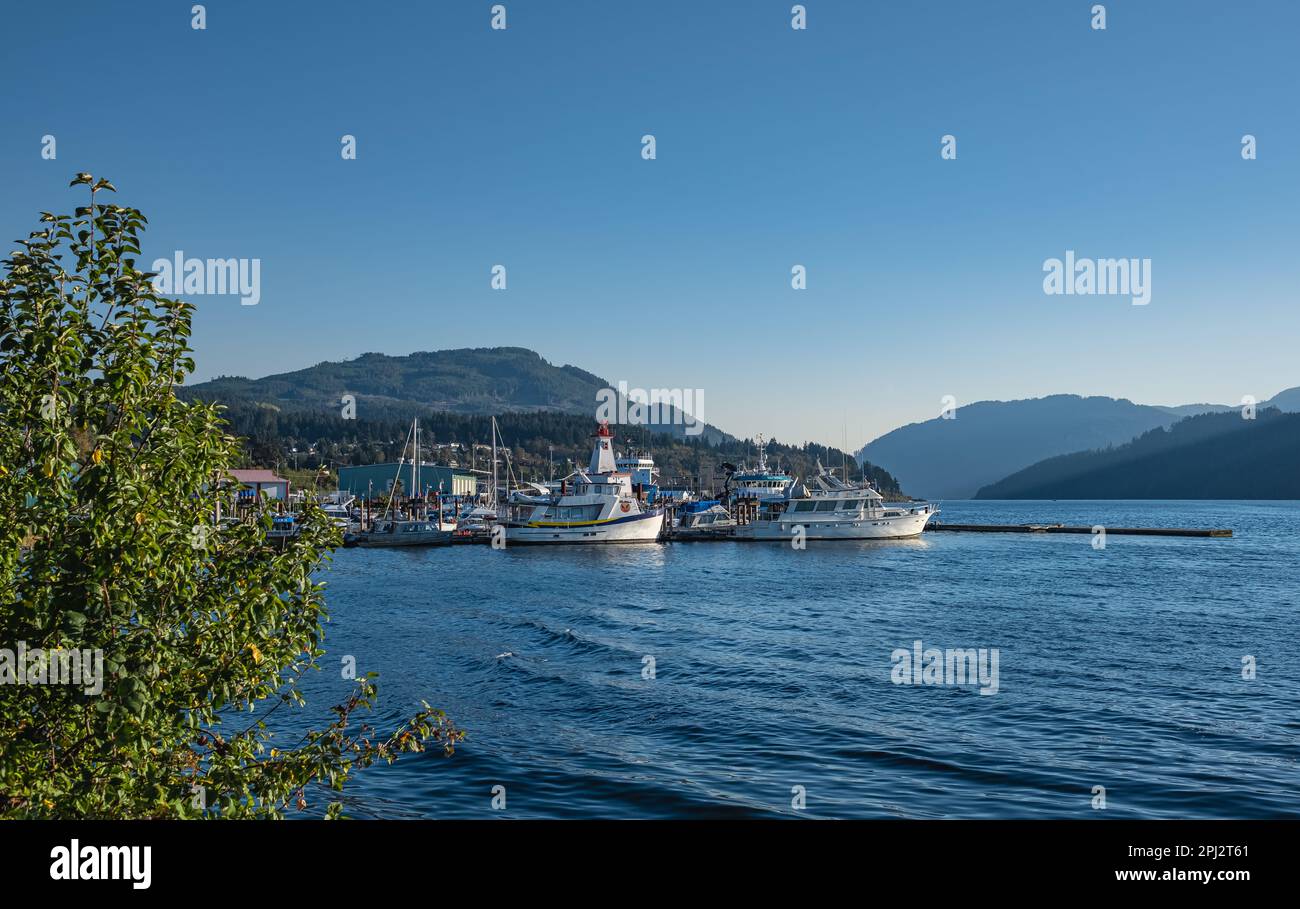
<point>479,380</point>
<point>539,441</point>
<point>1214,456</point>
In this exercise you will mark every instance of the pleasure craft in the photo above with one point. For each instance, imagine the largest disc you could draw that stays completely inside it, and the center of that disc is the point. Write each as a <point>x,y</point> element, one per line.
<point>835,510</point>
<point>704,521</point>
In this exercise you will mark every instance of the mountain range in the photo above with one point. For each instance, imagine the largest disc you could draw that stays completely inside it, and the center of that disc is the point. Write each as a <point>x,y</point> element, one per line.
<point>1210,456</point>
<point>988,441</point>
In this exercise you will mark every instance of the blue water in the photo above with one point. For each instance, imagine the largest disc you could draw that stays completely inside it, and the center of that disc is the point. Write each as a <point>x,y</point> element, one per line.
<point>1118,667</point>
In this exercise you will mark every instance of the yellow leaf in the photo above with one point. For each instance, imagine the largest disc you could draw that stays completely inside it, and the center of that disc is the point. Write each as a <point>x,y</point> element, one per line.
<point>139,518</point>
<point>257,654</point>
<point>97,456</point>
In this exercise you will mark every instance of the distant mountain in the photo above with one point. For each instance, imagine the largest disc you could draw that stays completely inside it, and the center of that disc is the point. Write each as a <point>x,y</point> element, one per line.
<point>986,441</point>
<point>990,440</point>
<point>1212,456</point>
<point>481,380</point>
<point>1286,401</point>
<point>1191,410</point>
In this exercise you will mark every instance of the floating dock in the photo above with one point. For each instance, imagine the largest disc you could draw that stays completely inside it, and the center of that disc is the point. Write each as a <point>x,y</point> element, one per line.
<point>1061,528</point>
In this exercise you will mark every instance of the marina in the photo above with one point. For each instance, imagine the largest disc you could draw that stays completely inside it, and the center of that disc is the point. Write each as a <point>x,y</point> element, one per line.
<point>617,499</point>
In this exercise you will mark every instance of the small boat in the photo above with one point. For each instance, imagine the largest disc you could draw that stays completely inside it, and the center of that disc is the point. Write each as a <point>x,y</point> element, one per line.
<point>283,529</point>
<point>415,527</point>
<point>836,510</point>
<point>474,524</point>
<point>400,532</point>
<point>338,508</point>
<point>706,520</point>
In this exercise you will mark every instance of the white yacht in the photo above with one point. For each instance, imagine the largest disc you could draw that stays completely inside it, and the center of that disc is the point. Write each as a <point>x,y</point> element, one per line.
<point>593,506</point>
<point>338,507</point>
<point>835,510</point>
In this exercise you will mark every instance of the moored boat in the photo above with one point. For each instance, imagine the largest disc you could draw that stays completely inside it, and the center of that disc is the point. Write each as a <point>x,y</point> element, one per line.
<point>760,482</point>
<point>706,520</point>
<point>593,506</point>
<point>400,532</point>
<point>835,510</point>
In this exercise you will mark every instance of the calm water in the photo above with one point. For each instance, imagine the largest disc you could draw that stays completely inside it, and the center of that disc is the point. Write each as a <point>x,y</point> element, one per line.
<point>1119,667</point>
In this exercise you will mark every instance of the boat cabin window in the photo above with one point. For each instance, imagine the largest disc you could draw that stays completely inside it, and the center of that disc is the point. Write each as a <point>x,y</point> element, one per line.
<point>804,506</point>
<point>826,505</point>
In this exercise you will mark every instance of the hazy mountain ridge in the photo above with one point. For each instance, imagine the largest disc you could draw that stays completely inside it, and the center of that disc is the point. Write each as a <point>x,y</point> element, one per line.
<point>988,441</point>
<point>1210,456</point>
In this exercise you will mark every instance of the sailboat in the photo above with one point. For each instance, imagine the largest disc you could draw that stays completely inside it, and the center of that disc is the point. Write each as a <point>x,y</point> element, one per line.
<point>411,529</point>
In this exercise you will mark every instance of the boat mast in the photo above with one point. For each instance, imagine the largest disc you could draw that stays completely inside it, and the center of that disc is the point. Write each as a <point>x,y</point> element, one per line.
<point>494,462</point>
<point>398,476</point>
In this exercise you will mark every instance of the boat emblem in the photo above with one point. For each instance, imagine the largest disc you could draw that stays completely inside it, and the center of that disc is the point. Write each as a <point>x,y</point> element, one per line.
<point>626,506</point>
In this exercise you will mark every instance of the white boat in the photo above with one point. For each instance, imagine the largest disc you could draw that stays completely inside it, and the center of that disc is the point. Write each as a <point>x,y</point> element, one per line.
<point>698,522</point>
<point>593,506</point>
<point>836,510</point>
<point>338,508</point>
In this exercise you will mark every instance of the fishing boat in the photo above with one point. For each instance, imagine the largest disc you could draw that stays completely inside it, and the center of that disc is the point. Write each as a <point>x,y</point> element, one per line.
<point>598,505</point>
<point>760,482</point>
<point>835,510</point>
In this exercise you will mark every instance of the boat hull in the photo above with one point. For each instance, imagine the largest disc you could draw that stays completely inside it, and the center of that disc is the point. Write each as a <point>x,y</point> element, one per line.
<point>392,540</point>
<point>641,528</point>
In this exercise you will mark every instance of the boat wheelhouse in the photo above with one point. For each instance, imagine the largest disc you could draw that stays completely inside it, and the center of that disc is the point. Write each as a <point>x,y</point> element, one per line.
<point>760,482</point>
<point>598,505</point>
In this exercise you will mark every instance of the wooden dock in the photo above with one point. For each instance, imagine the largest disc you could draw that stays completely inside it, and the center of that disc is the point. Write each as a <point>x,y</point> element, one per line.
<point>1061,528</point>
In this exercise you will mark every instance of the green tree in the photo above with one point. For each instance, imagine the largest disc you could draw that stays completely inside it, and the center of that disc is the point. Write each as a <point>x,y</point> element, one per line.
<point>111,491</point>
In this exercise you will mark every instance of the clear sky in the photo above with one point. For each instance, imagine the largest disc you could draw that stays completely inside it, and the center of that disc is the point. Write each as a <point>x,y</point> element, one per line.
<point>775,147</point>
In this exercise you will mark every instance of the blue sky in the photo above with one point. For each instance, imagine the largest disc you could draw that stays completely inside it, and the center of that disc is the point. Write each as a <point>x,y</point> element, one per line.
<point>775,147</point>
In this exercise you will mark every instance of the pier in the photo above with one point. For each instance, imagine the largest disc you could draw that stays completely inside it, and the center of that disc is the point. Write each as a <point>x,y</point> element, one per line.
<point>1061,528</point>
